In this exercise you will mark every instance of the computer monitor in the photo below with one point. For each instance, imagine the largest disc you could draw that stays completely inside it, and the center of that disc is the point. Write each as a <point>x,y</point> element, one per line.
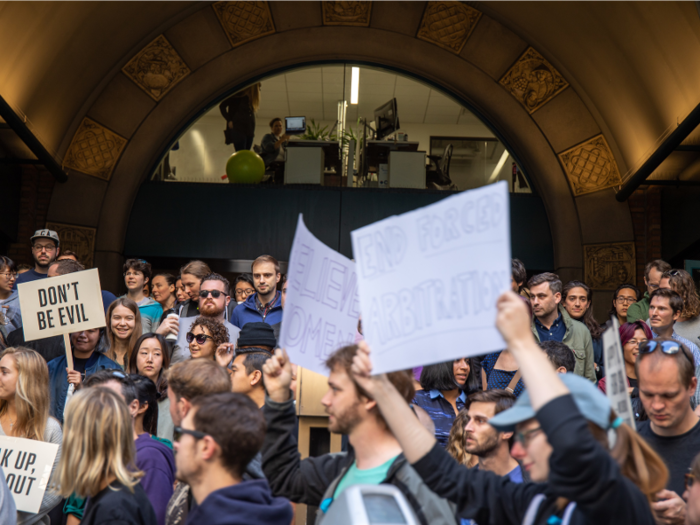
<point>386,119</point>
<point>295,125</point>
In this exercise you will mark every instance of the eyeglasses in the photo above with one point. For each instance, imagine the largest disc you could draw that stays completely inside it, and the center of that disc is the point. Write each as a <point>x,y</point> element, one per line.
<point>667,347</point>
<point>178,432</point>
<point>626,300</point>
<point>674,273</point>
<point>246,292</point>
<point>634,342</point>
<point>200,338</point>
<point>214,293</point>
<point>524,438</point>
<point>689,480</point>
<point>43,247</point>
<point>9,275</point>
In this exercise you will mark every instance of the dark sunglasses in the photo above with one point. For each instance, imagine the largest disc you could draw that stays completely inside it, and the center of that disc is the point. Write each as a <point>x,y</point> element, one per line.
<point>178,432</point>
<point>214,293</point>
<point>200,338</point>
<point>667,347</point>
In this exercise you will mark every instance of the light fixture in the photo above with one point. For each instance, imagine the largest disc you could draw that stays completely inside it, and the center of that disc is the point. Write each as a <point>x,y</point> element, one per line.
<point>499,167</point>
<point>355,85</point>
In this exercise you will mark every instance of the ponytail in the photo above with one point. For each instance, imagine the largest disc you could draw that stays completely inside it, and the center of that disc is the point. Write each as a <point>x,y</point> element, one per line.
<point>637,460</point>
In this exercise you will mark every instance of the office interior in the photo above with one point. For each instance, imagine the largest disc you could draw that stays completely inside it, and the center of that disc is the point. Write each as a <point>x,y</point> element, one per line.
<point>337,100</point>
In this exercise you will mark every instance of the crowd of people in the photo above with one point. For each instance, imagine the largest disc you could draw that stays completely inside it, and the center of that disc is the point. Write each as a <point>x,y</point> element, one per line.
<point>181,410</point>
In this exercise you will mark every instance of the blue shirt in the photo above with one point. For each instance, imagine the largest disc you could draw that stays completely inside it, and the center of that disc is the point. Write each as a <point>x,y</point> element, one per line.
<point>554,333</point>
<point>440,411</point>
<point>499,379</point>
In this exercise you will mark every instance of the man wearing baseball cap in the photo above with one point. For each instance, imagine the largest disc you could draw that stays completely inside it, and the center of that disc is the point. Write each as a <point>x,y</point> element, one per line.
<point>45,250</point>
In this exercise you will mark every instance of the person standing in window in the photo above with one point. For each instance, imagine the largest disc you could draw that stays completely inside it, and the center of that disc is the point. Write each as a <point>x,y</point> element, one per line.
<point>239,111</point>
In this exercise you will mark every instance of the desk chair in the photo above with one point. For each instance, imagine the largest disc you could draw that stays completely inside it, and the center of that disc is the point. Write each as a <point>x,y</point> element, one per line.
<point>437,175</point>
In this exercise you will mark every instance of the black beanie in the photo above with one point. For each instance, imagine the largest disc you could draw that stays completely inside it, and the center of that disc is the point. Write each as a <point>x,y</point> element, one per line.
<point>257,334</point>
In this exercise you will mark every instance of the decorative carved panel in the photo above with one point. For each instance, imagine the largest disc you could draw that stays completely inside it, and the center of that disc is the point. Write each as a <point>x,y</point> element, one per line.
<point>346,13</point>
<point>94,150</point>
<point>244,21</point>
<point>78,239</point>
<point>590,166</point>
<point>607,266</point>
<point>533,81</point>
<point>448,24</point>
<point>157,68</point>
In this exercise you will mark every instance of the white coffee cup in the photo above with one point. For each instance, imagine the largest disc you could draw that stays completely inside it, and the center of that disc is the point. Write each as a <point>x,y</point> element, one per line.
<point>171,336</point>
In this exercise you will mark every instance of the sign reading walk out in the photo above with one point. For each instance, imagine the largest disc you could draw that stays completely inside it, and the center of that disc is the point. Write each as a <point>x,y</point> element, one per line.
<point>61,305</point>
<point>616,375</point>
<point>429,279</point>
<point>321,308</point>
<point>27,466</point>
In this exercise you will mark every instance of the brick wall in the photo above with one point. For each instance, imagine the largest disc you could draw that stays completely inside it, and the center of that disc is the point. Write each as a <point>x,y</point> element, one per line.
<point>35,197</point>
<point>645,207</point>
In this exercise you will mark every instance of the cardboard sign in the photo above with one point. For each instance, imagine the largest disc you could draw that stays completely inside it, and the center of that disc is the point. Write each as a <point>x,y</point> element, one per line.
<point>27,466</point>
<point>322,304</point>
<point>615,374</point>
<point>429,279</point>
<point>61,305</point>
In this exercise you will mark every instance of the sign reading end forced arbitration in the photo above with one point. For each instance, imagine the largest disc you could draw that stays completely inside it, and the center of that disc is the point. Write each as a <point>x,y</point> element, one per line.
<point>59,305</point>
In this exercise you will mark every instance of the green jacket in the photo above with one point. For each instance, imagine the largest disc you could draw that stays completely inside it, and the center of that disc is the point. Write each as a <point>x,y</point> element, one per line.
<point>578,338</point>
<point>639,311</point>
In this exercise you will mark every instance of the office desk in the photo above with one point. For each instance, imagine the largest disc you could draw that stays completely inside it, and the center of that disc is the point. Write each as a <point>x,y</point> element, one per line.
<point>406,163</point>
<point>378,150</point>
<point>307,161</point>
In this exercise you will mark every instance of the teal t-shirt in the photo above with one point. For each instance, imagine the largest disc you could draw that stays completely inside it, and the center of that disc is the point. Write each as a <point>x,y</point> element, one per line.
<point>370,476</point>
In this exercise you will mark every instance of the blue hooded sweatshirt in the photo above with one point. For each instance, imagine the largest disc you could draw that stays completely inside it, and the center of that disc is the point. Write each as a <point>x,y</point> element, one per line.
<point>247,503</point>
<point>247,312</point>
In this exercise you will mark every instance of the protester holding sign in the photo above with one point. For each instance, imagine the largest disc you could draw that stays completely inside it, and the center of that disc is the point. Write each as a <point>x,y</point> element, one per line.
<point>150,359</point>
<point>24,412</point>
<point>561,425</point>
<point>123,330</point>
<point>98,457</point>
<point>87,360</point>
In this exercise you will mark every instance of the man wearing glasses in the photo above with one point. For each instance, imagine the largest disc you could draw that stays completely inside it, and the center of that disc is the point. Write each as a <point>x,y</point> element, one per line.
<point>667,383</point>
<point>214,296</point>
<point>653,271</point>
<point>45,250</point>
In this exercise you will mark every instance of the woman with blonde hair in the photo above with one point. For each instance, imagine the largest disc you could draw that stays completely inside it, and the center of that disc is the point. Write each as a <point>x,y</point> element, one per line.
<point>123,330</point>
<point>455,441</point>
<point>24,412</point>
<point>98,452</point>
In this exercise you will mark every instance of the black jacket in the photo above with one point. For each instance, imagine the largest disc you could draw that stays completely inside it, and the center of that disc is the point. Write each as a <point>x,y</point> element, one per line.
<point>315,479</point>
<point>580,470</point>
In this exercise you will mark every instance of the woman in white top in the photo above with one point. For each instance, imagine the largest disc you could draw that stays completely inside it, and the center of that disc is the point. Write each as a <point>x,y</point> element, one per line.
<point>24,413</point>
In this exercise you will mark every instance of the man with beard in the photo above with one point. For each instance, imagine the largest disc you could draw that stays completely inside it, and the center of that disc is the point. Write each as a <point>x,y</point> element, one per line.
<point>375,456</point>
<point>214,296</point>
<point>265,305</point>
<point>484,441</point>
<point>45,250</point>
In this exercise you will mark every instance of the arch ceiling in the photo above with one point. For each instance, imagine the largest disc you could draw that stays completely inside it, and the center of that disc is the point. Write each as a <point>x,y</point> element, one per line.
<point>582,91</point>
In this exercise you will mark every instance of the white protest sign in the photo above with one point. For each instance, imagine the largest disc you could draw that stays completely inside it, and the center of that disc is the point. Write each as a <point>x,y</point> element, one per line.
<point>27,466</point>
<point>322,305</point>
<point>429,279</point>
<point>615,374</point>
<point>61,305</point>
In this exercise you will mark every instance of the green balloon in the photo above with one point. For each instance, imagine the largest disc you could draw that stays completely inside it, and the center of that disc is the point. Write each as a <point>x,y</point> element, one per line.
<point>245,167</point>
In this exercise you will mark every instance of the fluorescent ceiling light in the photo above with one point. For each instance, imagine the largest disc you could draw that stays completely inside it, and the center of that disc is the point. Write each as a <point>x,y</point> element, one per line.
<point>355,85</point>
<point>498,167</point>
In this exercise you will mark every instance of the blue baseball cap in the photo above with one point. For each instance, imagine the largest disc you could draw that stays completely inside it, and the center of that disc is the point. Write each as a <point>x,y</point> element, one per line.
<point>591,402</point>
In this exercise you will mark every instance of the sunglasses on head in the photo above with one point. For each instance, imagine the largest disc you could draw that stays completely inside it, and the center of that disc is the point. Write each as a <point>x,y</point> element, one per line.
<point>200,338</point>
<point>214,293</point>
<point>667,347</point>
<point>178,432</point>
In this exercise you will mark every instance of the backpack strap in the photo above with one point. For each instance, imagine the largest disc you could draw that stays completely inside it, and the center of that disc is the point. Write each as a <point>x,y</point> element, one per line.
<point>566,519</point>
<point>532,509</point>
<point>513,382</point>
<point>484,380</point>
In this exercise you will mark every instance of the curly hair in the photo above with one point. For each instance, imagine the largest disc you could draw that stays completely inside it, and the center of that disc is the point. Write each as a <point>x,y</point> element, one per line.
<point>682,283</point>
<point>455,442</point>
<point>216,329</point>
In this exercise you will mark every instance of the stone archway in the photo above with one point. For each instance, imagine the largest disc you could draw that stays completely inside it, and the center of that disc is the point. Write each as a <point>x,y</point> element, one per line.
<point>502,77</point>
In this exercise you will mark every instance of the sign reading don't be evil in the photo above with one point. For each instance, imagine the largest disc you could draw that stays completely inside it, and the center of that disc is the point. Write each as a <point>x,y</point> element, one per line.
<point>60,305</point>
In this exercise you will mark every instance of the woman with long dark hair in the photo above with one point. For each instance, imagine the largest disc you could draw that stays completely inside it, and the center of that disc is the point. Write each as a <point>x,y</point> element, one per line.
<point>445,390</point>
<point>577,300</point>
